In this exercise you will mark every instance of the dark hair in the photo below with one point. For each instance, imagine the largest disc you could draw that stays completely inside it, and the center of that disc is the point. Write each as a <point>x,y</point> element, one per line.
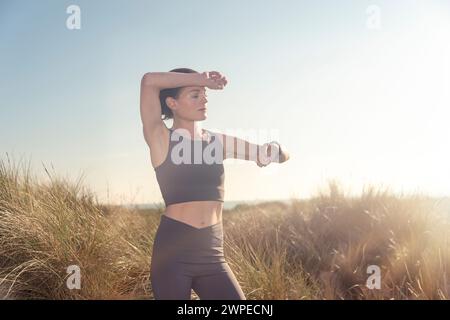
<point>171,92</point>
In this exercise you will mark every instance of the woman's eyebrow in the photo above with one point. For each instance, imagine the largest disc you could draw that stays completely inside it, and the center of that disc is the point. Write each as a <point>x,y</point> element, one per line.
<point>196,90</point>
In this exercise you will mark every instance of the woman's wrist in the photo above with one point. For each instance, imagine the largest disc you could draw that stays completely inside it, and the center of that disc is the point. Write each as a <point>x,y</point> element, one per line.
<point>275,151</point>
<point>203,79</point>
<point>280,155</point>
<point>271,152</point>
<point>263,159</point>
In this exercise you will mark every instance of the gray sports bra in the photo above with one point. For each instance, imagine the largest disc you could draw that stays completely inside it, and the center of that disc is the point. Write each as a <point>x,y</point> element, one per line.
<point>192,171</point>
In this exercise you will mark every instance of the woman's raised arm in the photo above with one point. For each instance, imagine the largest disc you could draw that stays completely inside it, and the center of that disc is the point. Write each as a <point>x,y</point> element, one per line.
<point>165,80</point>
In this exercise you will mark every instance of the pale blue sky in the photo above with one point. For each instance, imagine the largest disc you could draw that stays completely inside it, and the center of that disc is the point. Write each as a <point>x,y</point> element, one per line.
<point>350,102</point>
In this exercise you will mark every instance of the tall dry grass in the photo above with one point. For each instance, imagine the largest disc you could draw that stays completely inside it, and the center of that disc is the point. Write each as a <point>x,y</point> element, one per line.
<point>332,239</point>
<point>318,248</point>
<point>45,228</point>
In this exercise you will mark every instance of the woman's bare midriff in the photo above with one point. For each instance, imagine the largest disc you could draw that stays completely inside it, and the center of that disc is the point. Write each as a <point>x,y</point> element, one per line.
<point>199,214</point>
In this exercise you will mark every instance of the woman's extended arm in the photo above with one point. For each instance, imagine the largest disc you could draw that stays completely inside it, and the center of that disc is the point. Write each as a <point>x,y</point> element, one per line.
<point>262,155</point>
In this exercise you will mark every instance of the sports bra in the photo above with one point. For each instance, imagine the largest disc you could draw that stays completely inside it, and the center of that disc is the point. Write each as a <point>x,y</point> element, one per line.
<point>192,171</point>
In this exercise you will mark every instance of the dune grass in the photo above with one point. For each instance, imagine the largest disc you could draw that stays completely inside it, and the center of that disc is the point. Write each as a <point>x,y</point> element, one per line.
<point>319,248</point>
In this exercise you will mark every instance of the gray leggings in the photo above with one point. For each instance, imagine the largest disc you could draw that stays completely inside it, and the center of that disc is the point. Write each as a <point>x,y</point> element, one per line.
<point>185,258</point>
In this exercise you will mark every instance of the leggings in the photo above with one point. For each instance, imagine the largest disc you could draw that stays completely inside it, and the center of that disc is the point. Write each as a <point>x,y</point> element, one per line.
<point>185,257</point>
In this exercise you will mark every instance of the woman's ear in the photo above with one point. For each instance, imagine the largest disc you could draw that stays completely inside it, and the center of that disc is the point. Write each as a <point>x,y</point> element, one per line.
<point>171,103</point>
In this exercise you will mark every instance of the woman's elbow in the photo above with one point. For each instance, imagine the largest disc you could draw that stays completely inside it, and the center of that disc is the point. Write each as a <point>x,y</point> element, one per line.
<point>147,79</point>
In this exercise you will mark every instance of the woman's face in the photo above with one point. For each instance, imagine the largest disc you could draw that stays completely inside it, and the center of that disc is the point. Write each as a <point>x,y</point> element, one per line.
<point>191,103</point>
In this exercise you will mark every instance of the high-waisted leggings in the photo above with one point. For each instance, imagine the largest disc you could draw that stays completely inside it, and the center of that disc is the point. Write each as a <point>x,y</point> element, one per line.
<point>185,257</point>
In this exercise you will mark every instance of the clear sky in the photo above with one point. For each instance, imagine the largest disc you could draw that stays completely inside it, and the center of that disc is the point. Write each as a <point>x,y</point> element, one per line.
<point>358,91</point>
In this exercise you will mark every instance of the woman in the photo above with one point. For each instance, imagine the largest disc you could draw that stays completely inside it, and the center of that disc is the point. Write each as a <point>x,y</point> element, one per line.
<point>188,245</point>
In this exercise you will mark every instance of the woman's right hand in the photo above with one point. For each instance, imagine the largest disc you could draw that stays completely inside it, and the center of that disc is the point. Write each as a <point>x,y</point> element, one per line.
<point>214,80</point>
